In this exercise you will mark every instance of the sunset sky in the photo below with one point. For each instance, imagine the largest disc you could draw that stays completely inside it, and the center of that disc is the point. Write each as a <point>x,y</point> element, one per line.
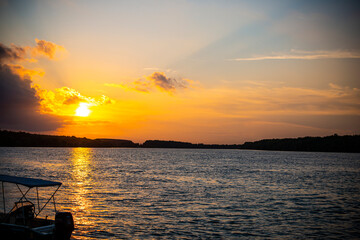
<point>220,72</point>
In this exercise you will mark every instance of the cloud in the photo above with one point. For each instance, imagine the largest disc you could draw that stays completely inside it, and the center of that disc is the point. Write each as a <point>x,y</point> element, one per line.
<point>304,55</point>
<point>28,53</point>
<point>157,80</point>
<point>27,106</point>
<point>19,104</point>
<point>56,101</point>
<point>24,72</point>
<point>164,83</point>
<point>259,100</point>
<point>46,48</point>
<point>11,53</point>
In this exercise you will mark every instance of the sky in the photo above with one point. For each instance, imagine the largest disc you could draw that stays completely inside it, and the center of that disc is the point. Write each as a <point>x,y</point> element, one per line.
<point>219,72</point>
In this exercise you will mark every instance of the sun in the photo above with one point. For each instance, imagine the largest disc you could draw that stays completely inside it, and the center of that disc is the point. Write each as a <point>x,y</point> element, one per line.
<point>83,110</point>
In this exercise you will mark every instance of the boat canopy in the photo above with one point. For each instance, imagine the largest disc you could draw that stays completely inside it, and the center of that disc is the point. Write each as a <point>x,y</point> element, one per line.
<point>28,182</point>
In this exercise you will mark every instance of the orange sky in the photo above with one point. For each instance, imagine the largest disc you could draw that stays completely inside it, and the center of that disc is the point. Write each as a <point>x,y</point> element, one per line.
<point>208,72</point>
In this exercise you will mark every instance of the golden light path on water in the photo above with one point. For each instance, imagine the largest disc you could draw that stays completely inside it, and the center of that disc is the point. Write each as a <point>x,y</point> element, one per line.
<point>81,160</point>
<point>88,192</point>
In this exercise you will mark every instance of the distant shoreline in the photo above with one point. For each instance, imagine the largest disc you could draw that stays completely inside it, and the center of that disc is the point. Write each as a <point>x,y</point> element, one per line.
<point>334,143</point>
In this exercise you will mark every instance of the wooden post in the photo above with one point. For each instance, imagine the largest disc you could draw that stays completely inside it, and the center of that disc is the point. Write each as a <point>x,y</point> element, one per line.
<point>3,192</point>
<point>37,193</point>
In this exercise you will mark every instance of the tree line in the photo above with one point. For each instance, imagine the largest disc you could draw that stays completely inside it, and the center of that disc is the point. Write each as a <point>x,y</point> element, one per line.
<point>23,139</point>
<point>334,143</point>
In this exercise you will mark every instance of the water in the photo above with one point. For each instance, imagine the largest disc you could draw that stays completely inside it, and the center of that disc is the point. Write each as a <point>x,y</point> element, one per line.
<point>192,194</point>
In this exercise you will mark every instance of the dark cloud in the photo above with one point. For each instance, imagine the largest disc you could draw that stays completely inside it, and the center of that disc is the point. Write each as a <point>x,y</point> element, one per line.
<point>19,105</point>
<point>11,53</point>
<point>162,82</point>
<point>42,49</point>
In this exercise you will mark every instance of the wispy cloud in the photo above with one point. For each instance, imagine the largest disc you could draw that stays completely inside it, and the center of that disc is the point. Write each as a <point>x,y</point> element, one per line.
<point>43,48</point>
<point>304,55</point>
<point>157,80</point>
<point>46,48</point>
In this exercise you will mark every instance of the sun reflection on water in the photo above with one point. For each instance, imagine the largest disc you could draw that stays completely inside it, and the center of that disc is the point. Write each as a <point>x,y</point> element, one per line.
<point>82,184</point>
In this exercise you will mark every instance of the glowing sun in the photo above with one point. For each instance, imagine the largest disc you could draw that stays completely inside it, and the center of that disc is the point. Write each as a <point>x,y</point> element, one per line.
<point>83,110</point>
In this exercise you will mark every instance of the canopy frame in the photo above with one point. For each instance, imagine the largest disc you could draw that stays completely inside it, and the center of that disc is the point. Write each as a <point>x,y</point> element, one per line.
<point>29,183</point>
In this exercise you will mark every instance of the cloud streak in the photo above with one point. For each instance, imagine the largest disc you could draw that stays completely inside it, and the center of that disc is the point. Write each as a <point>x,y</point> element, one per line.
<point>304,55</point>
<point>24,72</point>
<point>268,111</point>
<point>157,80</point>
<point>256,100</point>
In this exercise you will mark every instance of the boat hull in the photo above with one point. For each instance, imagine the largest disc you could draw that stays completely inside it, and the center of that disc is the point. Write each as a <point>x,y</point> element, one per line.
<point>13,231</point>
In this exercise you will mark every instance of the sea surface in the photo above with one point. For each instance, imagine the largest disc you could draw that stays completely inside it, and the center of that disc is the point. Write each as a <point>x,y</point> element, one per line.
<point>119,193</point>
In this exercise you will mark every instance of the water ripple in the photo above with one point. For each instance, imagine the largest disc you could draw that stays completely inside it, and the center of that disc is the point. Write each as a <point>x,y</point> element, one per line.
<point>198,194</point>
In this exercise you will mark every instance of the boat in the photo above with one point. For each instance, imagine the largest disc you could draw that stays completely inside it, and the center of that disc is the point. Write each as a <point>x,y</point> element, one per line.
<point>23,220</point>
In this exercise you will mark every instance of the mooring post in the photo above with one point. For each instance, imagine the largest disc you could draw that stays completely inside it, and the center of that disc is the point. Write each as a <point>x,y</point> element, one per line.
<point>37,193</point>
<point>3,192</point>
